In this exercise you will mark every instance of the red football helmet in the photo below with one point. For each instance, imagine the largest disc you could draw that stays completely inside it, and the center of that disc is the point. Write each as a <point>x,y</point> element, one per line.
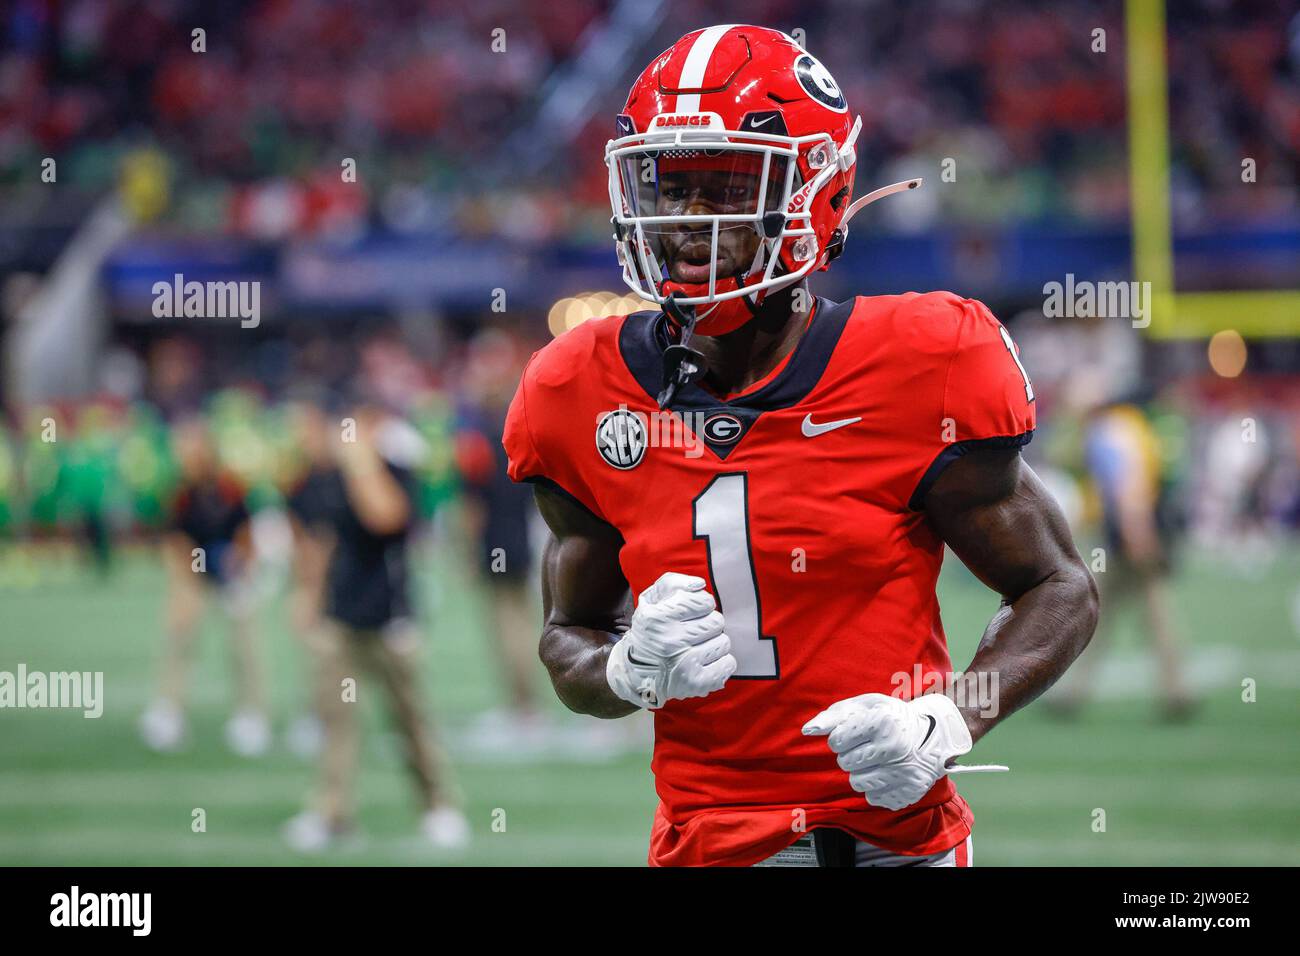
<point>731,173</point>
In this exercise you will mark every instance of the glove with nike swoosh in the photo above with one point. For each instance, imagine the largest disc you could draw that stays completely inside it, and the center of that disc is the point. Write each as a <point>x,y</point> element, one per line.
<point>893,750</point>
<point>675,647</point>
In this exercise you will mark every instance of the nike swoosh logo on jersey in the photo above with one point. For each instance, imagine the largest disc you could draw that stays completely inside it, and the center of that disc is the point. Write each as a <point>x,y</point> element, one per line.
<point>811,430</point>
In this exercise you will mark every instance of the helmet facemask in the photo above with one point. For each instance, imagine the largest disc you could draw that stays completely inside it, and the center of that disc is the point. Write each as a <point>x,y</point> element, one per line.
<point>713,219</point>
<point>700,213</point>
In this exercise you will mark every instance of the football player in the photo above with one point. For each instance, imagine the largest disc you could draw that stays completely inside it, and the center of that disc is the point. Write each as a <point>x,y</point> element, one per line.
<point>774,477</point>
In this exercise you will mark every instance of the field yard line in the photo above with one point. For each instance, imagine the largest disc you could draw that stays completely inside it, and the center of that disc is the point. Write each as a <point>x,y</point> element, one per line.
<point>1128,673</point>
<point>267,843</point>
<point>1229,797</point>
<point>1188,788</point>
<point>1124,673</point>
<point>256,786</point>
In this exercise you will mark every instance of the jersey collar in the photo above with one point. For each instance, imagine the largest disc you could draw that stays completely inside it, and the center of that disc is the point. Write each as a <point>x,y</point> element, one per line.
<point>644,336</point>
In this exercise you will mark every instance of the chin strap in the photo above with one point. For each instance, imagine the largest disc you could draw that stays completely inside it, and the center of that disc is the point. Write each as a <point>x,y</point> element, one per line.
<point>682,364</point>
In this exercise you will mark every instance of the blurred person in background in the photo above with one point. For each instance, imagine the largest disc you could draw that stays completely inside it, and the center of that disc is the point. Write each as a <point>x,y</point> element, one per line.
<point>208,551</point>
<point>146,467</point>
<point>8,487</point>
<point>369,627</point>
<point>307,499</point>
<point>1234,506</point>
<point>41,468</point>
<point>90,482</point>
<point>498,513</point>
<point>1126,465</point>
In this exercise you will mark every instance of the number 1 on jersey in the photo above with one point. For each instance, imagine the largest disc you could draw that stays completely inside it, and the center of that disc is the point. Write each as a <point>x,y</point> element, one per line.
<point>721,518</point>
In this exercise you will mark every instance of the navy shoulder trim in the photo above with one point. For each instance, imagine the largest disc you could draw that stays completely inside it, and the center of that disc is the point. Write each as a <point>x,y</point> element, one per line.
<point>551,485</point>
<point>957,450</point>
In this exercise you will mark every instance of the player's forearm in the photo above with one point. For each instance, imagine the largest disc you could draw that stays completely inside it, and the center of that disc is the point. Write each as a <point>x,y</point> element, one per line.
<point>586,604</point>
<point>575,657</point>
<point>1030,643</point>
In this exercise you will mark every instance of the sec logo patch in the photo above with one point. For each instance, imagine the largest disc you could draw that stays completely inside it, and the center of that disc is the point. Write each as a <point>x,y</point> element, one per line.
<point>621,439</point>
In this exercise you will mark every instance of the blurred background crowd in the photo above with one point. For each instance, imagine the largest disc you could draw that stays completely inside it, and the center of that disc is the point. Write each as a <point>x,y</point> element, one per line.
<point>476,227</point>
<point>252,129</point>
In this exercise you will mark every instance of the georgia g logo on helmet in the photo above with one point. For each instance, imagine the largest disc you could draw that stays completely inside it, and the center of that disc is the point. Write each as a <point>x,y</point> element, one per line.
<point>819,84</point>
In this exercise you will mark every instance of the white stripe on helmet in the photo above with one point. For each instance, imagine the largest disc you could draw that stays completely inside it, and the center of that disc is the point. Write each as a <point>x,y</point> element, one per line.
<point>697,64</point>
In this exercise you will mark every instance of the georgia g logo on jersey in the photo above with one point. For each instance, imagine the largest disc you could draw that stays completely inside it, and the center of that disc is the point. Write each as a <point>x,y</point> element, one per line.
<point>818,83</point>
<point>621,439</point>
<point>723,429</point>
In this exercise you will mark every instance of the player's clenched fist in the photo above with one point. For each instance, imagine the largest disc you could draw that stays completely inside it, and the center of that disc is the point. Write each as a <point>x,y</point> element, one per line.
<point>675,647</point>
<point>893,750</point>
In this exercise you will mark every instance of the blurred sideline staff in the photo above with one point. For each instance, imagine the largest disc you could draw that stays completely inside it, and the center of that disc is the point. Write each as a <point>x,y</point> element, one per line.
<point>368,625</point>
<point>498,513</point>
<point>208,551</point>
<point>1124,461</point>
<point>307,504</point>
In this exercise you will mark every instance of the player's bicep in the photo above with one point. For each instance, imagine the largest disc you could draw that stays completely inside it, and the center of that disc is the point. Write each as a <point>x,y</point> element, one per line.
<point>1001,521</point>
<point>582,581</point>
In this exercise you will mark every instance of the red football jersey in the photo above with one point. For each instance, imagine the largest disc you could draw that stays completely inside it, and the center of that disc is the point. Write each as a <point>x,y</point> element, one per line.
<point>798,502</point>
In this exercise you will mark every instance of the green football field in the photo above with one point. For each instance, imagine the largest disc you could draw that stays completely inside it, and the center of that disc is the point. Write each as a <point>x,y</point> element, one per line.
<point>1223,788</point>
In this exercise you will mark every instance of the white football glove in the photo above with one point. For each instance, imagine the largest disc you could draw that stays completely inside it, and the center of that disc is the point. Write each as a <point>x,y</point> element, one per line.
<point>675,647</point>
<point>895,750</point>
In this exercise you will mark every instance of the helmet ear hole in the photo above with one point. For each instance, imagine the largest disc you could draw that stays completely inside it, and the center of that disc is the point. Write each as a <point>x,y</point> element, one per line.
<point>838,199</point>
